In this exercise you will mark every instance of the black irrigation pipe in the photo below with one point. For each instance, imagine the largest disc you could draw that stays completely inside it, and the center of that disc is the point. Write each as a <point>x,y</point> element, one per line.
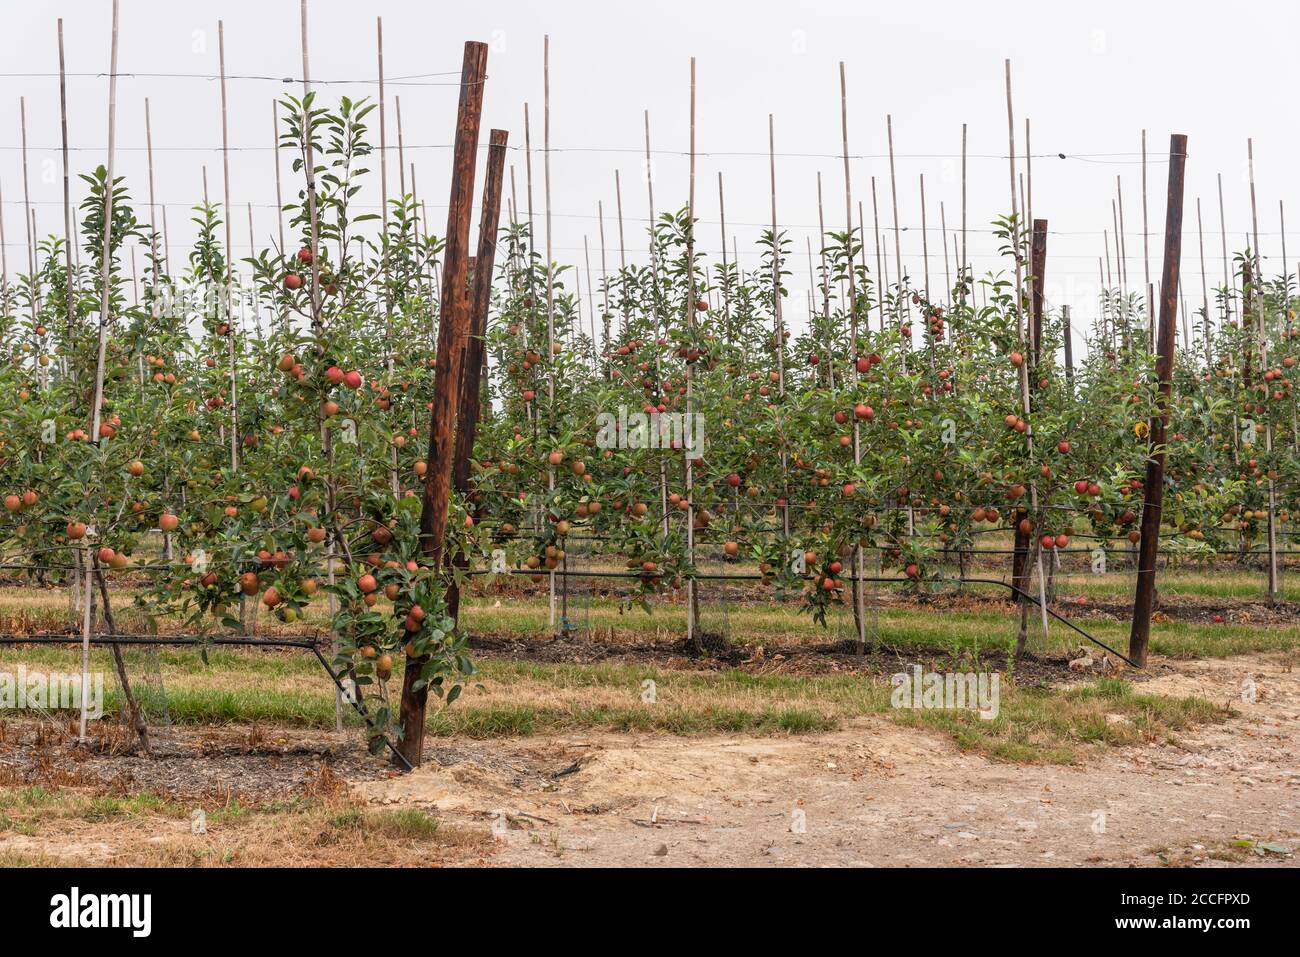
<point>310,644</point>
<point>874,579</point>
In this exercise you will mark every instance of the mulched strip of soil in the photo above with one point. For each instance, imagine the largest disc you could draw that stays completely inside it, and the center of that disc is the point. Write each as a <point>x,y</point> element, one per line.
<point>795,660</point>
<point>195,764</point>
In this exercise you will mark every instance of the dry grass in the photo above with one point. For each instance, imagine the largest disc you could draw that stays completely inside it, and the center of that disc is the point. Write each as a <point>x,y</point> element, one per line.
<point>92,826</point>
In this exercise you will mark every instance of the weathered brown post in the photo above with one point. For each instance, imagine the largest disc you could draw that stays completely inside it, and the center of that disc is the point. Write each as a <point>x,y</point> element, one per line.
<point>1023,546</point>
<point>1037,266</point>
<point>471,374</point>
<point>1153,491</point>
<point>1068,338</point>
<point>453,327</point>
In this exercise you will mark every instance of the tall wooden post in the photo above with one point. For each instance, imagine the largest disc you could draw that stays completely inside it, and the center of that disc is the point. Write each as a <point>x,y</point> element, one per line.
<point>471,374</point>
<point>1153,491</point>
<point>453,327</point>
<point>1068,337</point>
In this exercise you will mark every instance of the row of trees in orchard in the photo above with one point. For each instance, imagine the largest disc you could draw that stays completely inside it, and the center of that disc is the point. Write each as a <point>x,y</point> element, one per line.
<point>263,421</point>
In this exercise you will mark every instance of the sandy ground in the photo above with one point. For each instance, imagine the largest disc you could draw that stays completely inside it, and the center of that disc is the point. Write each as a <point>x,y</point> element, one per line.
<point>874,793</point>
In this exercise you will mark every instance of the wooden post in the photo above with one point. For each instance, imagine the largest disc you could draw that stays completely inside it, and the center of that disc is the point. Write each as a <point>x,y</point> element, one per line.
<point>1069,346</point>
<point>452,329</point>
<point>1153,490</point>
<point>1037,266</point>
<point>471,373</point>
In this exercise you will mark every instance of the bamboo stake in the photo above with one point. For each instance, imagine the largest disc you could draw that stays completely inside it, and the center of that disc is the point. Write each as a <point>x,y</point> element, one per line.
<point>27,206</point>
<point>1205,289</point>
<point>722,235</point>
<point>1223,240</point>
<point>153,204</point>
<point>882,262</point>
<point>310,171</point>
<point>383,136</point>
<point>4,258</point>
<point>654,271</point>
<point>1123,239</point>
<point>964,261</point>
<point>401,151</point>
<point>1027,186</point>
<point>230,249</point>
<point>925,245</point>
<point>604,285</point>
<point>859,586</point>
<point>591,299</point>
<point>1262,344</point>
<point>826,285</point>
<point>1023,546</point>
<point>776,265</point>
<point>105,301</point>
<point>898,248</point>
<point>394,481</point>
<point>275,157</point>
<point>1105,238</point>
<point>69,239</point>
<point>1146,245</point>
<point>550,277</point>
<point>692,599</point>
<point>528,177</point>
<point>622,247</point>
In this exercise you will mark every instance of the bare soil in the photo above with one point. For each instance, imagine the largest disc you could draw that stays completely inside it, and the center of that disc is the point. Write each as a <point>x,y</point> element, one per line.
<point>874,793</point>
<point>871,793</point>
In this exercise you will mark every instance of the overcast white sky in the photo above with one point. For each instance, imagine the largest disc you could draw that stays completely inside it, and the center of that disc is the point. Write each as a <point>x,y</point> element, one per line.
<point>1090,78</point>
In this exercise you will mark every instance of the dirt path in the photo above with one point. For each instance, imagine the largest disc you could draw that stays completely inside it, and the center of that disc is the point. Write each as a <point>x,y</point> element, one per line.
<point>875,793</point>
